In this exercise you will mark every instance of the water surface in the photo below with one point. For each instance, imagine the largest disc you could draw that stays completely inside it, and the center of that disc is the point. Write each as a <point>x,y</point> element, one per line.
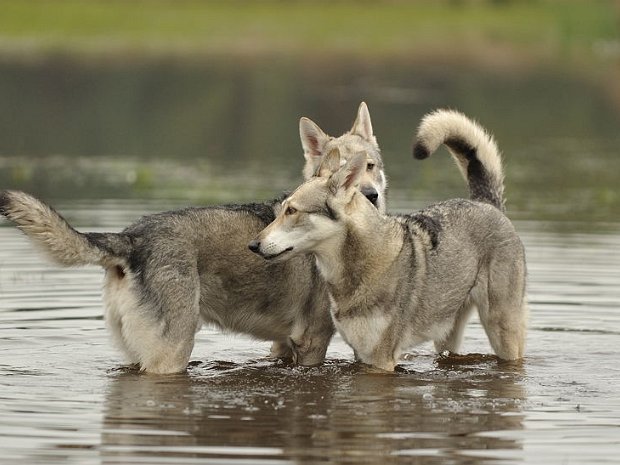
<point>107,143</point>
<point>66,398</point>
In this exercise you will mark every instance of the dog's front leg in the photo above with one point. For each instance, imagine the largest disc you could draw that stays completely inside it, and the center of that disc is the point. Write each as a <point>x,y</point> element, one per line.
<point>385,354</point>
<point>281,350</point>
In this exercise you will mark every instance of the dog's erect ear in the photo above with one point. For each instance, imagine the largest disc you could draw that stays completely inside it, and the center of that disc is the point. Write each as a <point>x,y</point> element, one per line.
<point>363,126</point>
<point>348,177</point>
<point>330,164</point>
<point>313,139</point>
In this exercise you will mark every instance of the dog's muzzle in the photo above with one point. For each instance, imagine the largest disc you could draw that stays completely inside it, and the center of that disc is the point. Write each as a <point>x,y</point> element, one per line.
<point>371,194</point>
<point>254,246</point>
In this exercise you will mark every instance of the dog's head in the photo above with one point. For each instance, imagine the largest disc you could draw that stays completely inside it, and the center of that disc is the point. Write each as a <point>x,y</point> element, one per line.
<point>360,139</point>
<point>315,216</point>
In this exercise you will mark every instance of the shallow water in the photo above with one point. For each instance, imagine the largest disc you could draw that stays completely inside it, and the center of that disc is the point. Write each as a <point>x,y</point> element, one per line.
<point>133,136</point>
<point>66,398</point>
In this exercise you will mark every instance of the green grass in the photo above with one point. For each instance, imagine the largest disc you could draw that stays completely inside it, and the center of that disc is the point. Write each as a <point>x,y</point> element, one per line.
<point>561,28</point>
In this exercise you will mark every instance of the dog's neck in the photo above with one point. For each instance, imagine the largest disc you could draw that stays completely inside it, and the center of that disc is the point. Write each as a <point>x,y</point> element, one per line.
<point>353,262</point>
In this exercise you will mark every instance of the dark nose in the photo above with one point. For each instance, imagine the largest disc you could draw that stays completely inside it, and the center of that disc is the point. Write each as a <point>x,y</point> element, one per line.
<point>371,194</point>
<point>254,246</point>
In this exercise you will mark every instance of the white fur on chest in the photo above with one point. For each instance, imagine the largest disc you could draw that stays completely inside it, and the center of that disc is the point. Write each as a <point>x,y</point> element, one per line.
<point>362,333</point>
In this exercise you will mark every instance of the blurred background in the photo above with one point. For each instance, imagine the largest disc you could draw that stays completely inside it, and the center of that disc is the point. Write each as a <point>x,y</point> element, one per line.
<point>166,103</point>
<point>110,109</point>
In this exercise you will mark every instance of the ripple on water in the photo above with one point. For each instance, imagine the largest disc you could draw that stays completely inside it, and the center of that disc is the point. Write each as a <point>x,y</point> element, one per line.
<point>64,396</point>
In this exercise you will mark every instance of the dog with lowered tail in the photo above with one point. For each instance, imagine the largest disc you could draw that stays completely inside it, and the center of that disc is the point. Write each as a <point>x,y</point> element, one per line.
<point>168,273</point>
<point>397,281</point>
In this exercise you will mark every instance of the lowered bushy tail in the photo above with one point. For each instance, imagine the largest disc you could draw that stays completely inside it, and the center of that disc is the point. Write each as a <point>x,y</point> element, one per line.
<point>57,239</point>
<point>474,150</point>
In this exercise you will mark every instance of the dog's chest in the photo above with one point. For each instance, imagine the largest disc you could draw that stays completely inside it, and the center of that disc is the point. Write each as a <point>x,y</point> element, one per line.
<point>362,332</point>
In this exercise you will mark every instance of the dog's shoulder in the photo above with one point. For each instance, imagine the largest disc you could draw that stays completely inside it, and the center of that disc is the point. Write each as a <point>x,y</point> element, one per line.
<point>265,211</point>
<point>455,218</point>
<point>422,223</point>
<point>434,219</point>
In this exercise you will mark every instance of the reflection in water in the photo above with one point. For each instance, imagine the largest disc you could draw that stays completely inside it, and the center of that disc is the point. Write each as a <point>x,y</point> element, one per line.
<point>341,413</point>
<point>219,131</point>
<point>62,398</point>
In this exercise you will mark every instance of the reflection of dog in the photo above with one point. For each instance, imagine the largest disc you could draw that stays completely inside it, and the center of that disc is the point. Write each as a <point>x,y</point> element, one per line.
<point>401,280</point>
<point>168,272</point>
<point>227,413</point>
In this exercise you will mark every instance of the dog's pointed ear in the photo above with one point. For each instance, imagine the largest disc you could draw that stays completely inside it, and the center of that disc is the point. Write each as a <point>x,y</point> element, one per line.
<point>313,139</point>
<point>348,177</point>
<point>330,164</point>
<point>362,125</point>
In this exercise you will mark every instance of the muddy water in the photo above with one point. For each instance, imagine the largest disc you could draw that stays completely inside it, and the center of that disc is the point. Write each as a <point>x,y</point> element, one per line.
<point>65,398</point>
<point>224,132</point>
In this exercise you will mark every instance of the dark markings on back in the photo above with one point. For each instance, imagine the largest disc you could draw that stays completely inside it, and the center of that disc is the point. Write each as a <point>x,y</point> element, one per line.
<point>428,224</point>
<point>264,211</point>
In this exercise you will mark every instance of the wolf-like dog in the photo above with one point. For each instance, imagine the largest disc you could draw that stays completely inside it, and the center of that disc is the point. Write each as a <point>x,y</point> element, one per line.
<point>396,281</point>
<point>169,272</point>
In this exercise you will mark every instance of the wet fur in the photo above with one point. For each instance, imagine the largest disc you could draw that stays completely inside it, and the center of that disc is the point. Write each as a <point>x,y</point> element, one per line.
<point>169,272</point>
<point>396,281</point>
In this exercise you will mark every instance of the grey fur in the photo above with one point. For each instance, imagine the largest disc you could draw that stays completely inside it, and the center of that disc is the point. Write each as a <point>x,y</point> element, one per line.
<point>169,272</point>
<point>396,281</point>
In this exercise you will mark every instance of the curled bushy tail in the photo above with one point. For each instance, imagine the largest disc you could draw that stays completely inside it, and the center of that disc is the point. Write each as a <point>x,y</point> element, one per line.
<point>474,150</point>
<point>57,239</point>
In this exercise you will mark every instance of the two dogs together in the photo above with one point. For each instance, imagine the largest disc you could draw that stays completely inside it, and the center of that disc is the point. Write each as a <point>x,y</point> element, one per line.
<point>334,259</point>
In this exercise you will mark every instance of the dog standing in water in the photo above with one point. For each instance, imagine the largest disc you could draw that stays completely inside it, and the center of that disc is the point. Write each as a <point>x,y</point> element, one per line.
<point>397,281</point>
<point>169,272</point>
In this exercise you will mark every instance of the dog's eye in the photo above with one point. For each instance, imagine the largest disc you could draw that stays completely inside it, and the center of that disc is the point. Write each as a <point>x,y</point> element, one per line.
<point>370,166</point>
<point>290,211</point>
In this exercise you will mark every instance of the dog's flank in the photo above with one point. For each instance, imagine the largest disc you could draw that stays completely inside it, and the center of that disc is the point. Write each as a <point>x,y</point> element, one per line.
<point>474,150</point>
<point>169,272</point>
<point>396,281</point>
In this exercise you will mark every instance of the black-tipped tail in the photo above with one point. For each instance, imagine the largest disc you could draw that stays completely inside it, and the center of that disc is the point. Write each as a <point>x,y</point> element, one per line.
<point>474,150</point>
<point>420,151</point>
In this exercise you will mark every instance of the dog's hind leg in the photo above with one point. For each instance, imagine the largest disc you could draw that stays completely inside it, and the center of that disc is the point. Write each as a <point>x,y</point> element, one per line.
<point>155,324</point>
<point>505,327</point>
<point>306,346</point>
<point>176,292</point>
<point>311,349</point>
<point>504,312</point>
<point>312,331</point>
<point>121,302</point>
<point>303,348</point>
<point>452,341</point>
